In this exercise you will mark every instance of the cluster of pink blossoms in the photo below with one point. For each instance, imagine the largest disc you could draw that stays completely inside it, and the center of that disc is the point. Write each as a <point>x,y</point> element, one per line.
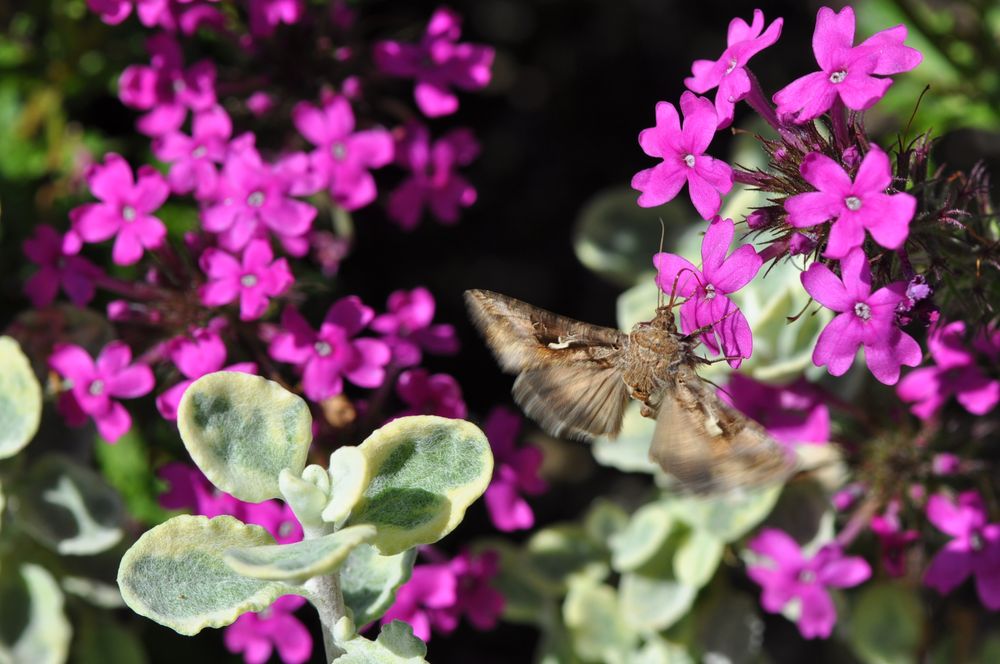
<point>834,200</point>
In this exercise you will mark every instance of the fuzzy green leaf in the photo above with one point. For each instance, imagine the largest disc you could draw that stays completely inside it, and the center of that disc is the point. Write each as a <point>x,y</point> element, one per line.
<point>395,644</point>
<point>243,430</point>
<point>726,516</point>
<point>298,561</point>
<point>652,604</point>
<point>33,627</point>
<point>369,581</point>
<point>425,471</point>
<point>599,630</point>
<point>20,399</point>
<point>646,534</point>
<point>698,555</point>
<point>887,625</point>
<point>175,574</point>
<point>349,475</point>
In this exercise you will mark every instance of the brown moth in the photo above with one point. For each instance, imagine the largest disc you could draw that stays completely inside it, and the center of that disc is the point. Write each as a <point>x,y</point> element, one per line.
<point>575,380</point>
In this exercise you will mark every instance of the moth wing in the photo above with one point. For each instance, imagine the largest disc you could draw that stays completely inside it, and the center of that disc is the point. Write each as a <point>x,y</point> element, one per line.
<point>709,446</point>
<point>577,401</point>
<point>523,336</point>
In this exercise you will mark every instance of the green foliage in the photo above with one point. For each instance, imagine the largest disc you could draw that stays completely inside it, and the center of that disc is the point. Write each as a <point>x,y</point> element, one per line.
<point>370,580</point>
<point>33,627</point>
<point>301,560</point>
<point>395,644</point>
<point>20,399</point>
<point>886,625</point>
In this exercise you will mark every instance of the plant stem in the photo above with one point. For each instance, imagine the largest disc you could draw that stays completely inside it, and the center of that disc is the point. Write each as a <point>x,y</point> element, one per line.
<point>326,596</point>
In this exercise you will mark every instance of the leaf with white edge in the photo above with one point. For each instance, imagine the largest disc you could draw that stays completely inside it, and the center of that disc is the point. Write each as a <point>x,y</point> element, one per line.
<point>604,520</point>
<point>306,495</point>
<point>652,604</point>
<point>95,592</point>
<point>730,629</point>
<point>298,561</point>
<point>656,650</point>
<point>395,644</point>
<point>243,430</point>
<point>697,557</point>
<point>525,595</point>
<point>886,625</point>
<point>349,476</point>
<point>558,553</point>
<point>69,507</point>
<point>646,534</point>
<point>20,399</point>
<point>33,627</point>
<point>175,574</point>
<point>593,616</point>
<point>727,516</point>
<point>425,471</point>
<point>369,581</point>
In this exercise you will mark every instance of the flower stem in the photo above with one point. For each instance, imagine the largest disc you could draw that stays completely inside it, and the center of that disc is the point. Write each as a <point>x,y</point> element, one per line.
<point>327,597</point>
<point>858,521</point>
<point>760,103</point>
<point>838,116</point>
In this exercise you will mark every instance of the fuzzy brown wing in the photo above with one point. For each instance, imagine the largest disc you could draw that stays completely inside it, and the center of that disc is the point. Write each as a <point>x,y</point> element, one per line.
<point>577,401</point>
<point>710,447</point>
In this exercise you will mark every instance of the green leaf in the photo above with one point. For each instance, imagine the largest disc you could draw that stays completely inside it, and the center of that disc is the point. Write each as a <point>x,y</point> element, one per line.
<point>298,561</point>
<point>646,534</point>
<point>730,629</point>
<point>604,520</point>
<point>886,625</point>
<point>125,466</point>
<point>651,604</point>
<point>306,495</point>
<point>697,557</point>
<point>395,644</point>
<point>33,627</point>
<point>599,630</point>
<point>556,554</point>
<point>243,430</point>
<point>103,641</point>
<point>425,472</point>
<point>349,475</point>
<point>726,516</point>
<point>369,581</point>
<point>175,574</point>
<point>69,507</point>
<point>20,399</point>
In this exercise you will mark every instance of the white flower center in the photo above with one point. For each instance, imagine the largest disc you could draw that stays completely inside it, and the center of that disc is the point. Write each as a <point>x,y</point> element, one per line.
<point>248,280</point>
<point>732,65</point>
<point>862,311</point>
<point>96,387</point>
<point>128,213</point>
<point>709,292</point>
<point>838,76</point>
<point>323,348</point>
<point>256,199</point>
<point>179,85</point>
<point>807,576</point>
<point>689,160</point>
<point>285,529</point>
<point>338,150</point>
<point>853,203</point>
<point>198,152</point>
<point>976,541</point>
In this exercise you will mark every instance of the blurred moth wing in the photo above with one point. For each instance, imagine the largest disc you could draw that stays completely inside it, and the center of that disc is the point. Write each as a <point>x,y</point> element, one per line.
<point>575,380</point>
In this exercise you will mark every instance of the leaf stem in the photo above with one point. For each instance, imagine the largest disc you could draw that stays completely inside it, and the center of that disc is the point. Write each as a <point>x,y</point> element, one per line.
<point>327,597</point>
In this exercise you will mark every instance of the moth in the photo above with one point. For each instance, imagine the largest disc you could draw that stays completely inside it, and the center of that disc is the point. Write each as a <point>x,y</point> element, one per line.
<point>575,380</point>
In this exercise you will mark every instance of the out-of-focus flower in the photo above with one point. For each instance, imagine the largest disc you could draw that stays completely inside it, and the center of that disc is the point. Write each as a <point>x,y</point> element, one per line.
<point>791,576</point>
<point>866,319</point>
<point>438,63</point>
<point>433,182</point>
<point>343,156</point>
<point>125,211</point>
<point>793,413</point>
<point>729,73</point>
<point>93,384</point>
<point>515,472</point>
<point>406,327</point>
<point>682,149</point>
<point>975,549</point>
<point>957,373</point>
<point>893,540</point>
<point>56,268</point>
<point>257,635</point>
<point>330,354</point>
<point>192,158</point>
<point>852,206</point>
<point>267,15</point>
<point>426,394</point>
<point>254,279</point>
<point>189,489</point>
<point>848,72</point>
<point>706,289</point>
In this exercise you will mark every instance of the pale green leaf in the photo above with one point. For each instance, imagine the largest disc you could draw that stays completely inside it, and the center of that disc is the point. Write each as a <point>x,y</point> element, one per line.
<point>349,475</point>
<point>558,553</point>
<point>646,534</point>
<point>369,581</point>
<point>306,495</point>
<point>598,628</point>
<point>298,561</point>
<point>69,507</point>
<point>425,471</point>
<point>243,430</point>
<point>20,399</point>
<point>657,650</point>
<point>175,574</point>
<point>604,520</point>
<point>886,625</point>
<point>33,627</point>
<point>652,604</point>
<point>697,557</point>
<point>726,516</point>
<point>395,644</point>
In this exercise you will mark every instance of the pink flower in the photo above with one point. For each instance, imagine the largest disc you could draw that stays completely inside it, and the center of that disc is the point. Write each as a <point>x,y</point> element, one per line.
<point>847,71</point>
<point>276,517</point>
<point>125,211</point>
<point>406,327</point>
<point>793,414</point>
<point>266,15</point>
<point>75,274</point>
<point>330,354</point>
<point>437,595</point>
<point>189,489</point>
<point>975,549</point>
<point>438,62</point>
<point>707,305</point>
<point>853,206</point>
<point>433,182</point>
<point>427,394</point>
<point>165,88</point>
<point>893,540</point>
<point>343,156</point>
<point>957,373</point>
<point>729,71</point>
<point>515,471</point>
<point>93,384</point>
<point>114,12</point>
<point>256,635</point>
<point>253,279</point>
<point>682,149</point>
<point>866,318</point>
<point>790,576</point>
<point>201,353</point>
<point>192,158</point>
<point>253,196</point>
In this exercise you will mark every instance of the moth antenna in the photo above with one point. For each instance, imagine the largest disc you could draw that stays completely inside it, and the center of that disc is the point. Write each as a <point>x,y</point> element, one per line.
<point>663,233</point>
<point>718,387</point>
<point>673,288</point>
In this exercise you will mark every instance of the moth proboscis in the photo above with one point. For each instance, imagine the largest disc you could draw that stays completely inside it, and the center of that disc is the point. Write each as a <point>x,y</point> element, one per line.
<point>575,380</point>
